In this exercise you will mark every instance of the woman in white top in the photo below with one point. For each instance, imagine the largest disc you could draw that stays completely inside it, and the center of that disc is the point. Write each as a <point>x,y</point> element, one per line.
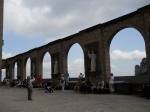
<point>111,83</point>
<point>62,82</point>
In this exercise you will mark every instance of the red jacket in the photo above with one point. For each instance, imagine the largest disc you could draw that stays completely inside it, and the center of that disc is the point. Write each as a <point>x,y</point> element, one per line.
<point>39,79</point>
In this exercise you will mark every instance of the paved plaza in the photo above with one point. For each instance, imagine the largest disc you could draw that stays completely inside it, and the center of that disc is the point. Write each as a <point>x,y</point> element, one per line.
<point>15,100</point>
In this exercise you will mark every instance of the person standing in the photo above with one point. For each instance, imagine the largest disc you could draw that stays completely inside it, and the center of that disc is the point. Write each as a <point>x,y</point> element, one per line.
<point>7,83</point>
<point>111,84</point>
<point>81,76</point>
<point>62,82</point>
<point>30,87</point>
<point>67,78</point>
<point>39,81</point>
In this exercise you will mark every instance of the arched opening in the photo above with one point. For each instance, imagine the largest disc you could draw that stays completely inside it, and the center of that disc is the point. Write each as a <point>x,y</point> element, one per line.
<point>28,67</point>
<point>75,61</point>
<point>126,51</point>
<point>3,74</point>
<point>15,71</point>
<point>47,66</point>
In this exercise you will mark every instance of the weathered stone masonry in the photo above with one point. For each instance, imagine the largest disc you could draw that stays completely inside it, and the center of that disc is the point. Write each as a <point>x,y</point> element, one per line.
<point>97,38</point>
<point>1,32</point>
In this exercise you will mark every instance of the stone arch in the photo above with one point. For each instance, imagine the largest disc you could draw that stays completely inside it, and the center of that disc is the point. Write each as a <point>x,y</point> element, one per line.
<point>123,37</point>
<point>25,67</point>
<point>42,60</point>
<point>15,70</point>
<point>113,31</point>
<point>63,53</point>
<point>71,45</point>
<point>3,74</point>
<point>19,68</point>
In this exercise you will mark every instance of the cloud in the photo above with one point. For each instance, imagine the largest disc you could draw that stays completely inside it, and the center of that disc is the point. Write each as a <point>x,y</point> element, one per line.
<point>76,67</point>
<point>123,62</point>
<point>6,55</point>
<point>47,66</point>
<point>113,66</point>
<point>56,19</point>
<point>47,69</point>
<point>125,55</point>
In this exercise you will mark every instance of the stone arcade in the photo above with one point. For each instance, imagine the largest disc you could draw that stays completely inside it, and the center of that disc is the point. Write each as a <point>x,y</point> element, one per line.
<point>96,39</point>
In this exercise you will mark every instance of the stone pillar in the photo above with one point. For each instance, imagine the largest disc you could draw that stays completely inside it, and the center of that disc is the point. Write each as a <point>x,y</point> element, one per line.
<point>148,57</point>
<point>106,64</point>
<point>24,69</point>
<point>38,64</point>
<point>34,65</point>
<point>92,74</point>
<point>63,62</point>
<point>54,75</point>
<point>7,73</point>
<point>40,68</point>
<point>12,72</point>
<point>1,36</point>
<point>104,57</point>
<point>146,30</point>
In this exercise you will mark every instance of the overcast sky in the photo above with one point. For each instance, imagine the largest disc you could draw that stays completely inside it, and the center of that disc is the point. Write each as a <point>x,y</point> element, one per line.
<point>33,23</point>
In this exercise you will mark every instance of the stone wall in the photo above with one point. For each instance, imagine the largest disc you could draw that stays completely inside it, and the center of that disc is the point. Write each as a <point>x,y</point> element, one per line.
<point>1,33</point>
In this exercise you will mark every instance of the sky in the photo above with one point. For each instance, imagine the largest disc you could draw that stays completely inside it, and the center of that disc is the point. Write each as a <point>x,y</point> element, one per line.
<point>28,24</point>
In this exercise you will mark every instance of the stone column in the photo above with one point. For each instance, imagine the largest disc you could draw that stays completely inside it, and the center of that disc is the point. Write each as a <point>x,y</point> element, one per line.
<point>24,69</point>
<point>1,36</point>
<point>12,72</point>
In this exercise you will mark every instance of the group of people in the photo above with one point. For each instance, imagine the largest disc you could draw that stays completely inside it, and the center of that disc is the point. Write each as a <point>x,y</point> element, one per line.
<point>63,81</point>
<point>88,87</point>
<point>100,87</point>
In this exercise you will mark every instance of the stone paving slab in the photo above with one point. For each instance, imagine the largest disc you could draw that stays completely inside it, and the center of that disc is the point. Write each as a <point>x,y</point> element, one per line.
<point>15,100</point>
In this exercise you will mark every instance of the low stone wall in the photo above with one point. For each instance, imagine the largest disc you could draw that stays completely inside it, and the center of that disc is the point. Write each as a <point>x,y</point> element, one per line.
<point>123,84</point>
<point>132,84</point>
<point>133,79</point>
